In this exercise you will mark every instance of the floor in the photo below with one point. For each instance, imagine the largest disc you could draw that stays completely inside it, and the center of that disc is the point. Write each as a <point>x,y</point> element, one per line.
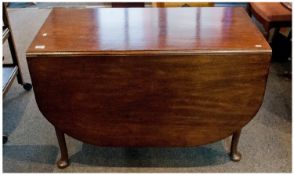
<point>265,142</point>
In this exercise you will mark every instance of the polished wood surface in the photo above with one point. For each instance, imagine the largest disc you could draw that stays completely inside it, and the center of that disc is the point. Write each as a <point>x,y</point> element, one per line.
<point>142,77</point>
<point>149,101</point>
<point>147,31</point>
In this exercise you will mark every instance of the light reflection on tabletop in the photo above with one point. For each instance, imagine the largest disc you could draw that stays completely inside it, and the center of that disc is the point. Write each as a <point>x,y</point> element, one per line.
<point>119,29</point>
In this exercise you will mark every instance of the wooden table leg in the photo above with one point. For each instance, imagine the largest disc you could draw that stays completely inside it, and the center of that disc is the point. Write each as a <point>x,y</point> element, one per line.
<point>63,161</point>
<point>234,154</point>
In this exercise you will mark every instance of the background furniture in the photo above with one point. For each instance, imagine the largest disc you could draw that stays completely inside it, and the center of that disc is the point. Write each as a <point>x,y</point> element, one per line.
<point>275,15</point>
<point>271,15</point>
<point>11,70</point>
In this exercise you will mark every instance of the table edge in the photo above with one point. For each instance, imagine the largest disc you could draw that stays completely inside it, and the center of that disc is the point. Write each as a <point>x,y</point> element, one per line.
<point>146,53</point>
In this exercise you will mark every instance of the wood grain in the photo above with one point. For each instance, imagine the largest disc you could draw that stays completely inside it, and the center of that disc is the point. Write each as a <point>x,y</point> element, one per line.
<point>149,77</point>
<point>150,101</point>
<point>148,31</point>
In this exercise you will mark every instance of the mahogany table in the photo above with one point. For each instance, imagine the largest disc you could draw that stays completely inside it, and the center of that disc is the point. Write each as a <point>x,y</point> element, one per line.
<point>149,77</point>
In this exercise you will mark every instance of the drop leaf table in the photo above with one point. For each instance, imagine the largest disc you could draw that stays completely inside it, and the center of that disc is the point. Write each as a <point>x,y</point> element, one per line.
<point>149,77</point>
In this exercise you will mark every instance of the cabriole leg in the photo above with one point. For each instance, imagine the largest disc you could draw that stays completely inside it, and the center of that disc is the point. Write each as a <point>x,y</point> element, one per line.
<point>235,155</point>
<point>63,161</point>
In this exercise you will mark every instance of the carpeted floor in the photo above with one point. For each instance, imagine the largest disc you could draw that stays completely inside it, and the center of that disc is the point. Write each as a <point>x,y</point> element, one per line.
<point>32,147</point>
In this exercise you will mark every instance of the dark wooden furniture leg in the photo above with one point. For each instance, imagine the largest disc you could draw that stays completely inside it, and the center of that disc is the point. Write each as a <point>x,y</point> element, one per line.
<point>4,139</point>
<point>63,161</point>
<point>248,9</point>
<point>235,155</point>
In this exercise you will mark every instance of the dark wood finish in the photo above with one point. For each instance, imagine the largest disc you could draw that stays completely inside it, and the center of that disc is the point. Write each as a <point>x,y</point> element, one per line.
<point>234,154</point>
<point>63,162</point>
<point>149,101</point>
<point>158,81</point>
